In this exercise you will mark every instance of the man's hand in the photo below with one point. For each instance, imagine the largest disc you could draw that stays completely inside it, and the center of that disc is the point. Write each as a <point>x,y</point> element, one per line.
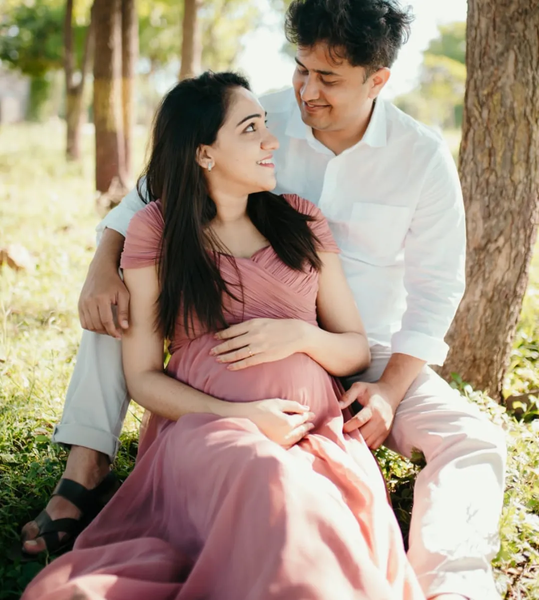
<point>102,290</point>
<point>375,419</point>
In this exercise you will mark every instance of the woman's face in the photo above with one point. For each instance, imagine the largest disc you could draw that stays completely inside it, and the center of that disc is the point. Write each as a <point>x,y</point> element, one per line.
<point>241,156</point>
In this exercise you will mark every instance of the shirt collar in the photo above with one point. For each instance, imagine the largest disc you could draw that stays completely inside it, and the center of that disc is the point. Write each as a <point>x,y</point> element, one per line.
<point>375,136</point>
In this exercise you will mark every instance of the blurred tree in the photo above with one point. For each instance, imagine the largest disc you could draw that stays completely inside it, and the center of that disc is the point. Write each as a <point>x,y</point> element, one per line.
<point>75,81</point>
<point>281,6</point>
<point>499,168</point>
<point>31,38</point>
<point>31,41</point>
<point>451,42</point>
<point>191,54</point>
<point>129,61</point>
<point>160,23</point>
<point>109,143</point>
<point>442,83</point>
<point>438,99</point>
<point>224,23</point>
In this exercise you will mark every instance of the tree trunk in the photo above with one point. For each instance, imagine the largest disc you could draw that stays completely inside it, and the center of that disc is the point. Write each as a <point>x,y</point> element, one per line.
<point>191,40</point>
<point>129,61</point>
<point>499,168</point>
<point>75,89</point>
<point>109,143</point>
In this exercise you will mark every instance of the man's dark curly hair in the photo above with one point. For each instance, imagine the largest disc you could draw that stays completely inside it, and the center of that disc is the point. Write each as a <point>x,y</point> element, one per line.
<point>367,33</point>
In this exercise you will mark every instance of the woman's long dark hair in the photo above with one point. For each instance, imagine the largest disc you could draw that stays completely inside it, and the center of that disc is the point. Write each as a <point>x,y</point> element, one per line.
<point>190,115</point>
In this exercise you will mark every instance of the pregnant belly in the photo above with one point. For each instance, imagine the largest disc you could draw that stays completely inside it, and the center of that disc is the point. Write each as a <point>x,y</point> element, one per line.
<point>297,377</point>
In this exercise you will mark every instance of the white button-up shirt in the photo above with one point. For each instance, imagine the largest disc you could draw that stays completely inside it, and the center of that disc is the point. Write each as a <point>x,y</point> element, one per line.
<point>394,205</point>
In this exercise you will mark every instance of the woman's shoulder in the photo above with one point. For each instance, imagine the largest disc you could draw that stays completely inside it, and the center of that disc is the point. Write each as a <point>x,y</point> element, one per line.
<point>150,216</point>
<point>302,205</point>
<point>143,239</point>
<point>318,223</point>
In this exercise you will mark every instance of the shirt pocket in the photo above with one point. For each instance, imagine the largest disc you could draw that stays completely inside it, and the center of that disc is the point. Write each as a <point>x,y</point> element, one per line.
<point>377,231</point>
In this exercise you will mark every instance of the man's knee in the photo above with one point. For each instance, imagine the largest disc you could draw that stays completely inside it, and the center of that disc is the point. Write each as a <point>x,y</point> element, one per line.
<point>437,420</point>
<point>491,437</point>
<point>476,440</point>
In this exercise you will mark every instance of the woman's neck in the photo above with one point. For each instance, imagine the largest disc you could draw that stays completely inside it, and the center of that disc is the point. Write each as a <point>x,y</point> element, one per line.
<point>235,232</point>
<point>231,208</point>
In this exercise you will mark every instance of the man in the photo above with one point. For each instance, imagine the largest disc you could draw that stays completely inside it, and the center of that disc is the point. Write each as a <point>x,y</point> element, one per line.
<point>390,191</point>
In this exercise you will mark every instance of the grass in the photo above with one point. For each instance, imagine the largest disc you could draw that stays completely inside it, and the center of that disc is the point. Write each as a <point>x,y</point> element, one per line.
<point>48,206</point>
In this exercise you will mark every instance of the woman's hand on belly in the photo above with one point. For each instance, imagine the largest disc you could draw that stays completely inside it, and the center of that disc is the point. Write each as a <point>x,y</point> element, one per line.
<point>259,341</point>
<point>283,421</point>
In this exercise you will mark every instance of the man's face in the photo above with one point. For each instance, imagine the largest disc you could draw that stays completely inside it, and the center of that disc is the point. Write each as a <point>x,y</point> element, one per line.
<point>332,96</point>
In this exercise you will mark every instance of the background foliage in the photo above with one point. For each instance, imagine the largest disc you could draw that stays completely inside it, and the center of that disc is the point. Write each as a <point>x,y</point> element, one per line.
<point>438,99</point>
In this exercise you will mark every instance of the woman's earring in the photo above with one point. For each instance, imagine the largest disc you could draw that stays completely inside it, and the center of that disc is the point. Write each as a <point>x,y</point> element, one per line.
<point>210,166</point>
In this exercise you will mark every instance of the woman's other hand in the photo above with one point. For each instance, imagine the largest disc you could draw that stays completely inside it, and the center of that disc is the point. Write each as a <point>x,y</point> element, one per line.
<point>259,341</point>
<point>283,421</point>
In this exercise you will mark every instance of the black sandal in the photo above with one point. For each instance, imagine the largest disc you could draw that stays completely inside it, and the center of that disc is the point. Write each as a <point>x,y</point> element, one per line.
<point>89,502</point>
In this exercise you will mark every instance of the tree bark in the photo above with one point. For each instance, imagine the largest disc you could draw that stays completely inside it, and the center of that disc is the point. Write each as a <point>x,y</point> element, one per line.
<point>75,89</point>
<point>191,40</point>
<point>109,143</point>
<point>499,168</point>
<point>129,61</point>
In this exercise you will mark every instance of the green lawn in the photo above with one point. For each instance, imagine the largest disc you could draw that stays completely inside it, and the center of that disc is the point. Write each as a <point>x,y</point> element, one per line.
<point>48,206</point>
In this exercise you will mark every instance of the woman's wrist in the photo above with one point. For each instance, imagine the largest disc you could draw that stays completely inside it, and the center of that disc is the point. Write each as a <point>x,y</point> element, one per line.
<point>306,336</point>
<point>225,409</point>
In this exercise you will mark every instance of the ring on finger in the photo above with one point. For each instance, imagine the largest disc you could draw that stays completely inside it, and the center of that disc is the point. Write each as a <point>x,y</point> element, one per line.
<point>250,351</point>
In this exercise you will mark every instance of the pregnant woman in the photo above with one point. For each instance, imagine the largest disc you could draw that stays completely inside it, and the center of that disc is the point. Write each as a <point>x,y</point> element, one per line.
<point>245,487</point>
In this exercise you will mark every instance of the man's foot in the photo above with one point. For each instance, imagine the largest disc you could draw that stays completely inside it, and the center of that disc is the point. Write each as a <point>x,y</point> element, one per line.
<point>84,466</point>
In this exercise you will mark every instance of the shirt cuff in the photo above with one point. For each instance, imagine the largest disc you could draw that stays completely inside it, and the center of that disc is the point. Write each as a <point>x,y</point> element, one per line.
<point>420,345</point>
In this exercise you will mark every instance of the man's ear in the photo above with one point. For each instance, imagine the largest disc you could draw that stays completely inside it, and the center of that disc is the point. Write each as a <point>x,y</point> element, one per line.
<point>204,156</point>
<point>378,80</point>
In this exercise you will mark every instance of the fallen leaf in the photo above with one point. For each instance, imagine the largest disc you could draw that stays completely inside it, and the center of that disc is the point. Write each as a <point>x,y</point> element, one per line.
<point>17,257</point>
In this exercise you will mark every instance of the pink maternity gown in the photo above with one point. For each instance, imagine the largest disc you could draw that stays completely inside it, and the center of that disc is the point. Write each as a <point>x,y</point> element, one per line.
<point>214,510</point>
